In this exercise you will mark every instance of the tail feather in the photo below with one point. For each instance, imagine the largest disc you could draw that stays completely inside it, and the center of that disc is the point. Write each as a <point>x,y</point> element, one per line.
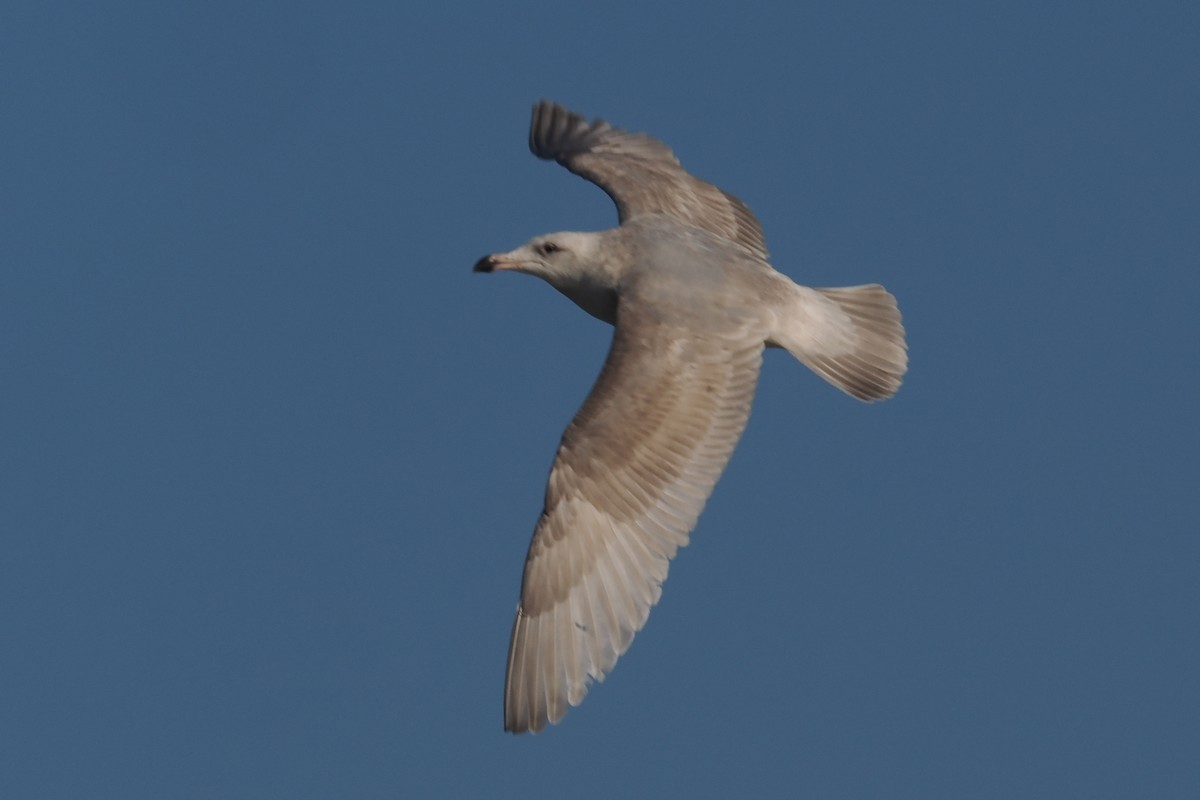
<point>850,336</point>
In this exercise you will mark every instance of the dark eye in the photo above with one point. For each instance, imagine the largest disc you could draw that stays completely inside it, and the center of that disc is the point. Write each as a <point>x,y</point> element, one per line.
<point>549,247</point>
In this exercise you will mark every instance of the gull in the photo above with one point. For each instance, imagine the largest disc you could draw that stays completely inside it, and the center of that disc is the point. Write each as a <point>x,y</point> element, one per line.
<point>685,282</point>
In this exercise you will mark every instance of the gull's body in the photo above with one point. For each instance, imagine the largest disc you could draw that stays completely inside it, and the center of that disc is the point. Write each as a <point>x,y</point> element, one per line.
<point>686,283</point>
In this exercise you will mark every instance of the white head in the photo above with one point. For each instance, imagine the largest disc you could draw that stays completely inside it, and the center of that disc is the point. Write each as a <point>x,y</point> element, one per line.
<point>577,264</point>
<point>552,256</point>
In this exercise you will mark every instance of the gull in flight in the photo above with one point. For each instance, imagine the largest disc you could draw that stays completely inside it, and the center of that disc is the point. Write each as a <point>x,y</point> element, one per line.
<point>685,282</point>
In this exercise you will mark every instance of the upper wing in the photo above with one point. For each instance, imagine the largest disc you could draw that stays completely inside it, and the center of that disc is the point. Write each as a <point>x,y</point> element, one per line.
<point>640,174</point>
<point>630,479</point>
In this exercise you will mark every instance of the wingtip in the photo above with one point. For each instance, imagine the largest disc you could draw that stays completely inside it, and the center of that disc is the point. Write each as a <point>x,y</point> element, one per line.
<point>540,109</point>
<point>553,126</point>
<point>545,125</point>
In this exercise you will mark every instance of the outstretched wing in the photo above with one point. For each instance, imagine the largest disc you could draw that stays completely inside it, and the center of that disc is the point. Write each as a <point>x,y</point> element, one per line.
<point>632,474</point>
<point>640,174</point>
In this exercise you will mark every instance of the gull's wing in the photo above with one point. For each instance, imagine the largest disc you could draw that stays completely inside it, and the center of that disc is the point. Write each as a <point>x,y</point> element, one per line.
<point>640,174</point>
<point>631,477</point>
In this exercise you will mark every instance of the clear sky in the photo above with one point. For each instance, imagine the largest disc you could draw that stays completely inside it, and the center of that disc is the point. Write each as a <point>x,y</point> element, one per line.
<point>270,454</point>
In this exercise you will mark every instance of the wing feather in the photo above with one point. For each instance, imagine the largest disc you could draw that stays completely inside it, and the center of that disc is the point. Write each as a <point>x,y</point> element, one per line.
<point>640,174</point>
<point>632,474</point>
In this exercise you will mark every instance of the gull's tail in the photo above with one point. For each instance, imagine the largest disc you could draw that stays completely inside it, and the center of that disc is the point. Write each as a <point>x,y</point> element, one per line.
<point>851,337</point>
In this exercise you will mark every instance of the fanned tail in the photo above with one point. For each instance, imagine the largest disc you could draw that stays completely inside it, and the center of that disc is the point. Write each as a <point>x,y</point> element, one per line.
<point>851,336</point>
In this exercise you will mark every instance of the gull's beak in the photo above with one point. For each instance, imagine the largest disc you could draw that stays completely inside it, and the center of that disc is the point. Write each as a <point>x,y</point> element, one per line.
<point>495,262</point>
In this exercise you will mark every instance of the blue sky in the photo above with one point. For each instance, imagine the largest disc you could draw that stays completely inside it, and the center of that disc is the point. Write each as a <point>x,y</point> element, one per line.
<point>271,453</point>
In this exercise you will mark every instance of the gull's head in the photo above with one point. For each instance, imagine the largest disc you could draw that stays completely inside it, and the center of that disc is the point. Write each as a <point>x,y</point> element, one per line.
<point>580,265</point>
<point>556,257</point>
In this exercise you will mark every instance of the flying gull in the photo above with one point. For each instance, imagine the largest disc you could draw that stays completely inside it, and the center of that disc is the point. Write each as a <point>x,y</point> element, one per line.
<point>686,284</point>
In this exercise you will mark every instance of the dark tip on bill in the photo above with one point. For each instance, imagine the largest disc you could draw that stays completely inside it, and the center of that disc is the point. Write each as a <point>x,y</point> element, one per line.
<point>485,264</point>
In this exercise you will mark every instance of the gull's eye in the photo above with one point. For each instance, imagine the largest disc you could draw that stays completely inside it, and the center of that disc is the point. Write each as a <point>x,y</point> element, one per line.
<point>546,248</point>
